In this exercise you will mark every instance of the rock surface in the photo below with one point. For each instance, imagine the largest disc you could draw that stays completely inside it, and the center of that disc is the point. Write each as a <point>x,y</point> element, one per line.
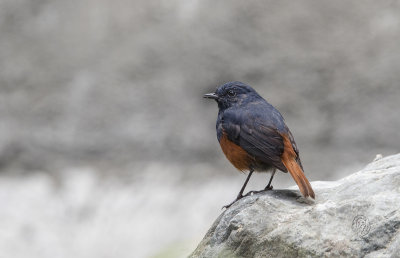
<point>357,216</point>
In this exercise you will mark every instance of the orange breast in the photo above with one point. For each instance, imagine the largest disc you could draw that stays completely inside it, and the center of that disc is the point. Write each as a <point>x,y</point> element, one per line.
<point>235,154</point>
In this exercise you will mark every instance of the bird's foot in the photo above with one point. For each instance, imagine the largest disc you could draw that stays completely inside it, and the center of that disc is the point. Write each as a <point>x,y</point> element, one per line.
<point>229,205</point>
<point>253,192</point>
<point>268,187</point>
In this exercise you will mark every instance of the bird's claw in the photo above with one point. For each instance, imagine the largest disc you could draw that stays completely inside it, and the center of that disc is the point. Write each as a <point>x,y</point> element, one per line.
<point>268,187</point>
<point>229,205</point>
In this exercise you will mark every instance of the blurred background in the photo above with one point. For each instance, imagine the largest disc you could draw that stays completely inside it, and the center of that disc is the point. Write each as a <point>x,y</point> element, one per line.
<point>107,148</point>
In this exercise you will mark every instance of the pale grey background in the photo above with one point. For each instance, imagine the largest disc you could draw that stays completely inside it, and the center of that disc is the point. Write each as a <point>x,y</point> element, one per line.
<point>106,145</point>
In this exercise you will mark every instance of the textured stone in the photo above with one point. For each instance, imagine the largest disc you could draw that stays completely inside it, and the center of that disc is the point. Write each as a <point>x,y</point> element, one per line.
<point>356,216</point>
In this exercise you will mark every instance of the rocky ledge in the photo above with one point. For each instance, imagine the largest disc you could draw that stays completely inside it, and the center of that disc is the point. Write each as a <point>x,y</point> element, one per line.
<point>357,216</point>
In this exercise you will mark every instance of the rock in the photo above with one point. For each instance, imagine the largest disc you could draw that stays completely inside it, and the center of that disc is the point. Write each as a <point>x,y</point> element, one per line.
<point>356,216</point>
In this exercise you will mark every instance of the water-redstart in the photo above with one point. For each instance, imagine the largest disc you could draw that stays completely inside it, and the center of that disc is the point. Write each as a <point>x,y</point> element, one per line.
<point>254,137</point>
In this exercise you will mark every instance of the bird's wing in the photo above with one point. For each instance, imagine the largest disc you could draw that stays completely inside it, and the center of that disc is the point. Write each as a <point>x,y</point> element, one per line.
<point>269,140</point>
<point>264,142</point>
<point>261,140</point>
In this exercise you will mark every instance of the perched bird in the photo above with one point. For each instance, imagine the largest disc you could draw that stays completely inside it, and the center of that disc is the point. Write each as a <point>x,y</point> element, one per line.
<point>254,137</point>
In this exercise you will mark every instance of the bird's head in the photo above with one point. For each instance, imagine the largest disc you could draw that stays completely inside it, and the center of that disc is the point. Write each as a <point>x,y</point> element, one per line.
<point>233,94</point>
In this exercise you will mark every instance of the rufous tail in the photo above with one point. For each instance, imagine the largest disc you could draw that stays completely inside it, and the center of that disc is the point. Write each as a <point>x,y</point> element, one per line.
<point>289,160</point>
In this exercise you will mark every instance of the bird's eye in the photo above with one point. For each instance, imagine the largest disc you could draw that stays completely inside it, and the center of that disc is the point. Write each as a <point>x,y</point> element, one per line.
<point>231,93</point>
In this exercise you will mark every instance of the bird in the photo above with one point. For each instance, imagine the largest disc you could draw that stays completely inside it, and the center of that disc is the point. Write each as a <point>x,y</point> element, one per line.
<point>254,137</point>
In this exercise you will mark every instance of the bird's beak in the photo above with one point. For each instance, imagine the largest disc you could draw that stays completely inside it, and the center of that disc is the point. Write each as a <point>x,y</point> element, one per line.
<point>210,96</point>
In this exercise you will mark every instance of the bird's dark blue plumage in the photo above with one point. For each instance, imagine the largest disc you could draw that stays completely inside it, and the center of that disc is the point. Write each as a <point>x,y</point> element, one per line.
<point>251,122</point>
<point>253,134</point>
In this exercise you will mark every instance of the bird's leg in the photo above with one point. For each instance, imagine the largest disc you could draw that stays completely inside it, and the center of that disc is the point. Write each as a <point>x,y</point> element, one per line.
<point>269,186</point>
<point>240,195</point>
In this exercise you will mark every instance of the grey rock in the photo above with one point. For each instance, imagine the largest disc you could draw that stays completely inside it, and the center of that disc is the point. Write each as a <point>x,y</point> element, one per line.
<point>357,216</point>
